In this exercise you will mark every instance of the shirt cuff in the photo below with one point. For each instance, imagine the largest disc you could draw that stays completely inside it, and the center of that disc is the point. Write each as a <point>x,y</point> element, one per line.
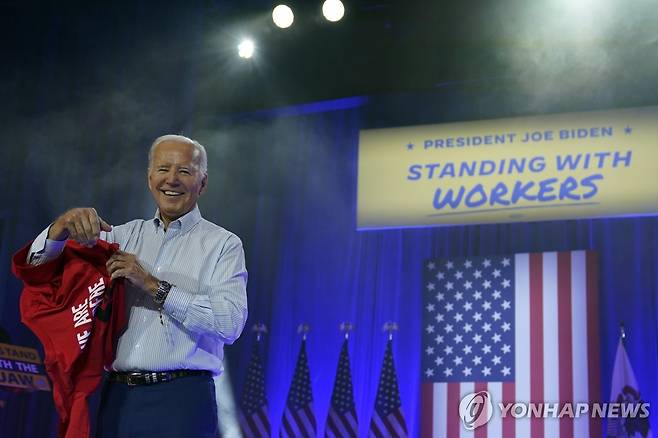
<point>44,249</point>
<point>177,302</point>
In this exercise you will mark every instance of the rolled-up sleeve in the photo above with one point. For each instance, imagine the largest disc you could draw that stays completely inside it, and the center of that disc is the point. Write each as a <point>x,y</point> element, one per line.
<point>220,307</point>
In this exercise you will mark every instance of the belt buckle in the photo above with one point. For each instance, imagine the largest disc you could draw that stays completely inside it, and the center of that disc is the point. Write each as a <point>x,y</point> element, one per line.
<point>132,379</point>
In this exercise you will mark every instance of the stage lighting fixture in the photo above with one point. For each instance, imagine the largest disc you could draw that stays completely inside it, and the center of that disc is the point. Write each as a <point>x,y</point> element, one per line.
<point>246,49</point>
<point>333,10</point>
<point>282,16</point>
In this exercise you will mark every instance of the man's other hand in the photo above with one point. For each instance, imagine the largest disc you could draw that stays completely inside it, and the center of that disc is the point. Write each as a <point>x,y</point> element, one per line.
<point>126,265</point>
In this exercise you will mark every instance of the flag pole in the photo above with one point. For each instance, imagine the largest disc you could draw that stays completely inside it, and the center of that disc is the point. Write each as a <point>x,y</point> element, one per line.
<point>303,329</point>
<point>259,328</point>
<point>622,332</point>
<point>346,327</point>
<point>390,327</point>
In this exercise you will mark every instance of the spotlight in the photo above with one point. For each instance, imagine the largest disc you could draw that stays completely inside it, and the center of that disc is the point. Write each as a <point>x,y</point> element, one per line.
<point>246,49</point>
<point>282,16</point>
<point>333,10</point>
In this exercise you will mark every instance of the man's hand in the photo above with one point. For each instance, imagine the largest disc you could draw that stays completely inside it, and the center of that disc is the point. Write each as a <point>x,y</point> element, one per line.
<point>83,225</point>
<point>126,265</point>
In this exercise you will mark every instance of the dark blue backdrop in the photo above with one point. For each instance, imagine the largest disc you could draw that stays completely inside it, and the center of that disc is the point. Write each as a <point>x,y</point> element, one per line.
<point>285,181</point>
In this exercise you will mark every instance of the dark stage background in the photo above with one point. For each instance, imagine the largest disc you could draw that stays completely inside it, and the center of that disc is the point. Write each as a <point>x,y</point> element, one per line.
<point>87,93</point>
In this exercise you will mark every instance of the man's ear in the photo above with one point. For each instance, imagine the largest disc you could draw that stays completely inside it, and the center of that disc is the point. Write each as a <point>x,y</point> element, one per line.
<point>204,183</point>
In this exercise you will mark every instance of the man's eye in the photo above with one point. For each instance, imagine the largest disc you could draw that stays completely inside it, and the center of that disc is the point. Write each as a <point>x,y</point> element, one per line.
<point>184,171</point>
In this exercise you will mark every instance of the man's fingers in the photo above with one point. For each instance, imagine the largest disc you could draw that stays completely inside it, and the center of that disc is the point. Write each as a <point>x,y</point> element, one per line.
<point>104,225</point>
<point>76,231</point>
<point>119,273</point>
<point>90,227</point>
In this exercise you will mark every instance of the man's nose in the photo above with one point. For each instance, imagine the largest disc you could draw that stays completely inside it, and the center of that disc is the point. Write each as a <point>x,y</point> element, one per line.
<point>172,177</point>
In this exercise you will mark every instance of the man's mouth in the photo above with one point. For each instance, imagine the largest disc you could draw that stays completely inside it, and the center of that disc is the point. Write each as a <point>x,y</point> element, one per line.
<point>171,193</point>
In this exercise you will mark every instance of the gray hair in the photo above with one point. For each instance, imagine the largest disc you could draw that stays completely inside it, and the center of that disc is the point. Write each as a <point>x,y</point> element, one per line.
<point>200,155</point>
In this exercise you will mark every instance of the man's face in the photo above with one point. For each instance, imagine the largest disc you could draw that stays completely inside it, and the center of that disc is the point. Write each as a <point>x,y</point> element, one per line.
<point>175,179</point>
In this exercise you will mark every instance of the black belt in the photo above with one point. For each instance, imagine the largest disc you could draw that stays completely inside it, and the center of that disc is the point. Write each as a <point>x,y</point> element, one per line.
<point>136,378</point>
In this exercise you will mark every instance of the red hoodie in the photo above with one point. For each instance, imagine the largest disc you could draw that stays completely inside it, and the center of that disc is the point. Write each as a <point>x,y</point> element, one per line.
<point>77,314</point>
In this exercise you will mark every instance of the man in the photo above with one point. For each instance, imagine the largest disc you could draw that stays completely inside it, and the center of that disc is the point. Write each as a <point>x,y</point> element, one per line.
<point>185,294</point>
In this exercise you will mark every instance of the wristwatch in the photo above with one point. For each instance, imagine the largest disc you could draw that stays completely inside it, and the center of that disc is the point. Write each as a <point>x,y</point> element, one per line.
<point>162,292</point>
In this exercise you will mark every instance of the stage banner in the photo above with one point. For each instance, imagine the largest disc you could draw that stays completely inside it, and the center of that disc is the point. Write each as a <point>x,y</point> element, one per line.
<point>21,367</point>
<point>561,166</point>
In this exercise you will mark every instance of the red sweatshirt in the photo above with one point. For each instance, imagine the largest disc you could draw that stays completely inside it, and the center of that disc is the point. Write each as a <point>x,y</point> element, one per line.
<point>77,314</point>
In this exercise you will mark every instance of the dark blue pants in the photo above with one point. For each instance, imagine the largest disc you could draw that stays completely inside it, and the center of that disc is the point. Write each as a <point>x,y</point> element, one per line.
<point>181,408</point>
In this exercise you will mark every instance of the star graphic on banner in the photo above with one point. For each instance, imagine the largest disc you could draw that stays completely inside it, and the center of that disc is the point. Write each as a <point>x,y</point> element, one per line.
<point>628,130</point>
<point>410,146</point>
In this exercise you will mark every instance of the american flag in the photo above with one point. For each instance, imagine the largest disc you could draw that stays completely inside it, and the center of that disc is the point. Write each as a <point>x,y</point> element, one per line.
<point>387,420</point>
<point>255,420</point>
<point>523,327</point>
<point>299,418</point>
<point>342,421</point>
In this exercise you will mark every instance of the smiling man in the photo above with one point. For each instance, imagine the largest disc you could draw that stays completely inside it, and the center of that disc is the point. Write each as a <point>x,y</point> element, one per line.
<point>186,298</point>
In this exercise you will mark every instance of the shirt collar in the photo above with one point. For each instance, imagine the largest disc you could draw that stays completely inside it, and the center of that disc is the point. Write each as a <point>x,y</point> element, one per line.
<point>184,223</point>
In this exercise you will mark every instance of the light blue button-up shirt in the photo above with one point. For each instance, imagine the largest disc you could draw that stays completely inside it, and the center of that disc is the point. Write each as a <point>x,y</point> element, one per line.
<point>206,307</point>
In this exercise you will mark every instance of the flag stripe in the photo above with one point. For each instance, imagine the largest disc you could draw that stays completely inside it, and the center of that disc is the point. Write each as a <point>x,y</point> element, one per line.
<point>522,338</point>
<point>290,427</point>
<point>565,337</point>
<point>481,432</point>
<point>464,388</point>
<point>440,400</point>
<point>376,426</point>
<point>509,430</point>
<point>579,326</point>
<point>550,338</point>
<point>308,419</point>
<point>379,425</point>
<point>427,408</point>
<point>397,421</point>
<point>596,426</point>
<point>495,426</point>
<point>536,341</point>
<point>452,406</point>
